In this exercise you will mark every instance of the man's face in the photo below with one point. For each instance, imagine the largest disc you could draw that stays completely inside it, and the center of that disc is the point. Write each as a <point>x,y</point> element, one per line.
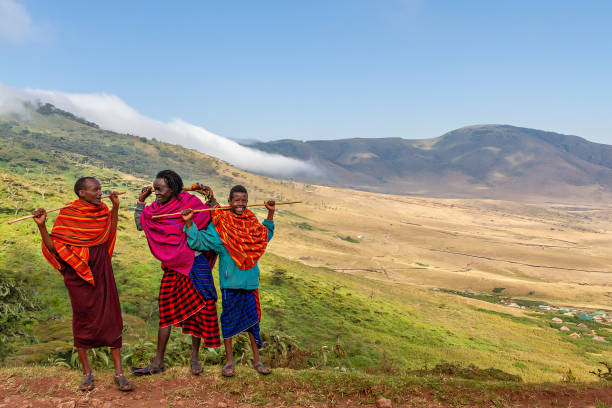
<point>91,192</point>
<point>238,202</point>
<point>163,193</point>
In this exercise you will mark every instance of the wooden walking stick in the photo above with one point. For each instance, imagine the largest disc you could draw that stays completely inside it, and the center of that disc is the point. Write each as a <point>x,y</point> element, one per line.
<point>194,187</point>
<point>53,210</point>
<point>227,207</point>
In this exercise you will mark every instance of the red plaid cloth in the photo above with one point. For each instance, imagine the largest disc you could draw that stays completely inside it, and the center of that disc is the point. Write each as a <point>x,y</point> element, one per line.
<point>181,305</point>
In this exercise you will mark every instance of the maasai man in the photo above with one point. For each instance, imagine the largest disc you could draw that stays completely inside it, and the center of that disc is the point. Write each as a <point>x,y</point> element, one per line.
<point>239,240</point>
<point>80,246</point>
<point>187,295</point>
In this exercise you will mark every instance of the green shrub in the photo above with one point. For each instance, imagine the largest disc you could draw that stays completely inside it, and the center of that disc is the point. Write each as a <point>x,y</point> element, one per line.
<point>16,314</point>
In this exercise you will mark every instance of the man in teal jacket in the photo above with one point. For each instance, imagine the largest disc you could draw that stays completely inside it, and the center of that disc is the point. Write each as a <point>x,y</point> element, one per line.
<point>239,240</point>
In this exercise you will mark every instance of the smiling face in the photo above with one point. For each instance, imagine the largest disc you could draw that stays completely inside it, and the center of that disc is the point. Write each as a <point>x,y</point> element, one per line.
<point>238,202</point>
<point>91,192</point>
<point>163,193</point>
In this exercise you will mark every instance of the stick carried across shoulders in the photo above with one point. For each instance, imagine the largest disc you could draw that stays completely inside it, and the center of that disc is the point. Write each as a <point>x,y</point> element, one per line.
<point>53,210</point>
<point>227,207</point>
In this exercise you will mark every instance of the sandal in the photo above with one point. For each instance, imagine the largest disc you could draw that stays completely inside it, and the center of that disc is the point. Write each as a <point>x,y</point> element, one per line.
<point>147,370</point>
<point>195,367</point>
<point>122,383</point>
<point>262,369</point>
<point>88,382</point>
<point>228,370</point>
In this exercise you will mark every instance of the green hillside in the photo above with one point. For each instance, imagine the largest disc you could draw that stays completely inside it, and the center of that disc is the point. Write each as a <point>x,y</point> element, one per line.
<point>312,317</point>
<point>56,142</point>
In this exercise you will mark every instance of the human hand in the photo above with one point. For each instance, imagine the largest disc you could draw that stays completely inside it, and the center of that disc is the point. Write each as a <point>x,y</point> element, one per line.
<point>206,191</point>
<point>114,197</point>
<point>270,205</point>
<point>40,216</point>
<point>144,193</point>
<point>187,215</point>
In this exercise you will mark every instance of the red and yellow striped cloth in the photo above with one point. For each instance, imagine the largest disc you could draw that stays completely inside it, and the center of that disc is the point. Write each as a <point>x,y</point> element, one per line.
<point>244,237</point>
<point>78,227</point>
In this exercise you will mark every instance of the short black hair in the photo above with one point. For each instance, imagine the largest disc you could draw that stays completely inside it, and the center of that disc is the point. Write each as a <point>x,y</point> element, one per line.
<point>174,181</point>
<point>80,184</point>
<point>237,189</point>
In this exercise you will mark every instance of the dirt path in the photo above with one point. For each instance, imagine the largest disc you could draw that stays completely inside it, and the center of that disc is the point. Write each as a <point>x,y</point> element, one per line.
<point>210,390</point>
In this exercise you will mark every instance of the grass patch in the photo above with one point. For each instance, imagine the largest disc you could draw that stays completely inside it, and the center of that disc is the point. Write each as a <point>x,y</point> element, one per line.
<point>304,226</point>
<point>348,238</point>
<point>522,320</point>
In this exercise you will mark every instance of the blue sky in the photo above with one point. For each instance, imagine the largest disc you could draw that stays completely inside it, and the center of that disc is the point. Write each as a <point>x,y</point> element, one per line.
<point>325,69</point>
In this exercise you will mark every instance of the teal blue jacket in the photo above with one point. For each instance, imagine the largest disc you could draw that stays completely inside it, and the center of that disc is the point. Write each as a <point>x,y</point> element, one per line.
<point>230,276</point>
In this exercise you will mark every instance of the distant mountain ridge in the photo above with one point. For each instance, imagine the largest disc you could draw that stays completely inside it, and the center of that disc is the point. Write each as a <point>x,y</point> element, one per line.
<point>484,161</point>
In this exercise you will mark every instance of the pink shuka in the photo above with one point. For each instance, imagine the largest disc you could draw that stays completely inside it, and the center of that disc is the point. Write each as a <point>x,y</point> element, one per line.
<point>165,235</point>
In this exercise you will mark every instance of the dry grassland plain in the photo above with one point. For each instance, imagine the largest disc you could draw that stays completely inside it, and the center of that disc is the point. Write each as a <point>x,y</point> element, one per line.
<point>558,253</point>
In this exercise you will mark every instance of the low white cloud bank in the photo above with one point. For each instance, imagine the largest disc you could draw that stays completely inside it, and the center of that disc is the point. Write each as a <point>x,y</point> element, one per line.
<point>111,113</point>
<point>15,22</point>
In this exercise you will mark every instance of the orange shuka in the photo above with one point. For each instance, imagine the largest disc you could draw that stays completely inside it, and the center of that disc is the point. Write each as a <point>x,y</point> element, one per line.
<point>76,229</point>
<point>244,237</point>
